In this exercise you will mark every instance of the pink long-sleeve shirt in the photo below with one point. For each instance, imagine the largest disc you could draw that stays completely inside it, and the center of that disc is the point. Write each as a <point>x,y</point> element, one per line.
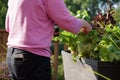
<point>30,24</point>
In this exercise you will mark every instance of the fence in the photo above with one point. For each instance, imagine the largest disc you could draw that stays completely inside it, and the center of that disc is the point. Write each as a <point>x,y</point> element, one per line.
<point>3,40</point>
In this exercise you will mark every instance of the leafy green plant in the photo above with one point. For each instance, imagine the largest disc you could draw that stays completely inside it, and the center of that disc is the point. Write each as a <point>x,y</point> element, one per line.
<point>102,43</point>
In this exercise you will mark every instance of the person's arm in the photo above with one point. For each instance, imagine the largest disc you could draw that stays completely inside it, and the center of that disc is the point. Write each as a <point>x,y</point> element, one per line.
<point>57,11</point>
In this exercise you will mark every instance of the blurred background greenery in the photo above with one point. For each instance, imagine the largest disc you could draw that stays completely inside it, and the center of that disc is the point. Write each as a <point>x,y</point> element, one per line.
<point>92,6</point>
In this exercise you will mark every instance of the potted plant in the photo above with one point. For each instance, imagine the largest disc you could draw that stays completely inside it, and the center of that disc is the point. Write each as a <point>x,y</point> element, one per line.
<point>101,45</point>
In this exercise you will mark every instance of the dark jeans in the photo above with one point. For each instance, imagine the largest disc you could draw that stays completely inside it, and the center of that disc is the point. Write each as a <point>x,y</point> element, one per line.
<point>24,65</point>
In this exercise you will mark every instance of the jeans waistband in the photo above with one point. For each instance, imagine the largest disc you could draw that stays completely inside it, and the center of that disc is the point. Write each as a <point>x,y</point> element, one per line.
<point>25,53</point>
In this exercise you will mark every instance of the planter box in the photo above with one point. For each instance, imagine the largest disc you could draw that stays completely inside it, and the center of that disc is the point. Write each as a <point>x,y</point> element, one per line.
<point>107,69</point>
<point>110,70</point>
<point>76,70</point>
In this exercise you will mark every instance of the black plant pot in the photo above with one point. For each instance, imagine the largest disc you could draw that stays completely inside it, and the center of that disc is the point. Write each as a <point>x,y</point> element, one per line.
<point>108,69</point>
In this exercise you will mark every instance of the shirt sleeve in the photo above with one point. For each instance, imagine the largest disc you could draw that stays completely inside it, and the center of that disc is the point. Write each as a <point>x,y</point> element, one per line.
<point>58,12</point>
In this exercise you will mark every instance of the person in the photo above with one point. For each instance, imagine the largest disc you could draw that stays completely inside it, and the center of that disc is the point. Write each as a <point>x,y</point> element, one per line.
<point>30,24</point>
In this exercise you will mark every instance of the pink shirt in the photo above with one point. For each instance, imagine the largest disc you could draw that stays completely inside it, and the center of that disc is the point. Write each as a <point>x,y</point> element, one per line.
<point>30,24</point>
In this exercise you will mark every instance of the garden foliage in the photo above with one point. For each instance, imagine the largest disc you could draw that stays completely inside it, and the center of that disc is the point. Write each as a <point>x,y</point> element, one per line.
<point>102,43</point>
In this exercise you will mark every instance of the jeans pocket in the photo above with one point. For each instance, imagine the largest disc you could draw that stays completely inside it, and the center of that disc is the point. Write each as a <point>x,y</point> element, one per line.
<point>18,57</point>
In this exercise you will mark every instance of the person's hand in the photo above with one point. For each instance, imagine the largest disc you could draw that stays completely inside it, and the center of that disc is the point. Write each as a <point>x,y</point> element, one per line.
<point>86,27</point>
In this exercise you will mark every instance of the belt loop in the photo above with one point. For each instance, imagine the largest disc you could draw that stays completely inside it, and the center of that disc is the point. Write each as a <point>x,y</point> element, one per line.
<point>12,49</point>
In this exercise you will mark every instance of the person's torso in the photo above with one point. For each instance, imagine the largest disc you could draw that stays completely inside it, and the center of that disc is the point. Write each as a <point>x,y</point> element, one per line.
<point>29,25</point>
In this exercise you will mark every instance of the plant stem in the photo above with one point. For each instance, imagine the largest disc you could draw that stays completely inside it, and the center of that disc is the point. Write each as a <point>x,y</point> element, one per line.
<point>107,50</point>
<point>98,74</point>
<point>116,36</point>
<point>3,46</point>
<point>114,43</point>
